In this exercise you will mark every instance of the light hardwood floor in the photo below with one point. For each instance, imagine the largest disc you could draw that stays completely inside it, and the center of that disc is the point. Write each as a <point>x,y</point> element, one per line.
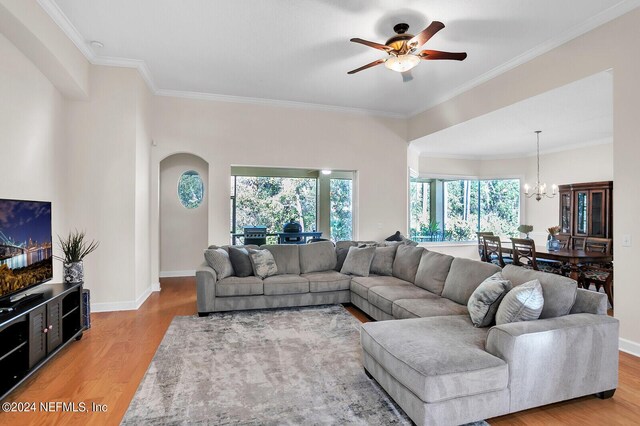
<point>106,366</point>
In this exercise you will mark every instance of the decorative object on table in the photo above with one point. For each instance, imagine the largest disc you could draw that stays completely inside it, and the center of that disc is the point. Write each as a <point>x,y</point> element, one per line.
<point>540,189</point>
<point>525,229</point>
<point>552,241</point>
<point>75,248</point>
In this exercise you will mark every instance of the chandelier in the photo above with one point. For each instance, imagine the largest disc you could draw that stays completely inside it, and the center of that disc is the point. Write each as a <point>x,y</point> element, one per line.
<point>540,189</point>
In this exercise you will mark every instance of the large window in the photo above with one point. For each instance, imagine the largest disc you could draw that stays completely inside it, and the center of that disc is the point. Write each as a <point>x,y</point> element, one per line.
<point>454,210</point>
<point>271,197</point>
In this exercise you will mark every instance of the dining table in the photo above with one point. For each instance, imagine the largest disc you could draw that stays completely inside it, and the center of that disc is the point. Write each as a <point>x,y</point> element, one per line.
<point>572,257</point>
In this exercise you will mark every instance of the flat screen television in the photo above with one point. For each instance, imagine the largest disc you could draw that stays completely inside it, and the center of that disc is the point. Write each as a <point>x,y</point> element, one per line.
<point>26,252</point>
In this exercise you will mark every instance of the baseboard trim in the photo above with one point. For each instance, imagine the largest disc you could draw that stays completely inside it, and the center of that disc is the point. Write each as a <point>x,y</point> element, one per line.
<point>174,274</point>
<point>155,286</point>
<point>629,347</point>
<point>127,305</point>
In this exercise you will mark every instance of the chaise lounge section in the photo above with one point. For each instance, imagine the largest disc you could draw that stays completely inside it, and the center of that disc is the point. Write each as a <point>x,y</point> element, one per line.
<point>434,362</point>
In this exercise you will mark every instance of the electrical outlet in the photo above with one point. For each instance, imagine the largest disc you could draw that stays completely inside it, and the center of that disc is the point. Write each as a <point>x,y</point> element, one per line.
<point>626,240</point>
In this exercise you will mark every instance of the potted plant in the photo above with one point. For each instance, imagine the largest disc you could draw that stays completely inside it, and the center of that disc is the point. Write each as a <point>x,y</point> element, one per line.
<point>525,229</point>
<point>552,242</point>
<point>75,248</point>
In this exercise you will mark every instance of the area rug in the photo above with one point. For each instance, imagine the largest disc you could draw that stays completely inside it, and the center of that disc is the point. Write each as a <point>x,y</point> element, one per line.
<point>287,366</point>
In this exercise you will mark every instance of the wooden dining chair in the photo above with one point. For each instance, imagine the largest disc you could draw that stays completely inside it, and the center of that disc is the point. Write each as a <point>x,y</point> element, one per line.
<point>600,275</point>
<point>525,249</point>
<point>565,241</point>
<point>493,250</point>
<point>481,244</point>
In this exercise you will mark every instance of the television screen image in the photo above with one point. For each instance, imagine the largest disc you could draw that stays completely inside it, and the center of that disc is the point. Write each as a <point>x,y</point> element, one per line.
<point>26,252</point>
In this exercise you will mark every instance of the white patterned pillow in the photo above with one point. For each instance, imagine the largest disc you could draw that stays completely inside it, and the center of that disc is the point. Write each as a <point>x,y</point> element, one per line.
<point>264,265</point>
<point>485,300</point>
<point>219,260</point>
<point>523,303</point>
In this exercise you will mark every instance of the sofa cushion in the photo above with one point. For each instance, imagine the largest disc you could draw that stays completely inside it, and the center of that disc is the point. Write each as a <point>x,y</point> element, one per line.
<point>239,286</point>
<point>317,257</point>
<point>383,296</point>
<point>522,303</point>
<point>241,262</point>
<point>432,271</point>
<point>420,308</point>
<point>218,260</point>
<point>264,265</point>
<point>285,284</point>
<point>406,262</point>
<point>464,277</point>
<point>361,285</point>
<point>485,299</point>
<point>286,256</point>
<point>382,263</point>
<point>437,358</point>
<point>358,261</point>
<point>559,292</point>
<point>327,281</point>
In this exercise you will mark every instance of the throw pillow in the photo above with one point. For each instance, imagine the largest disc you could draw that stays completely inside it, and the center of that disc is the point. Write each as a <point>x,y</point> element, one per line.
<point>264,265</point>
<point>218,259</point>
<point>523,303</point>
<point>241,262</point>
<point>395,237</point>
<point>341,254</point>
<point>382,263</point>
<point>484,301</point>
<point>263,262</point>
<point>358,261</point>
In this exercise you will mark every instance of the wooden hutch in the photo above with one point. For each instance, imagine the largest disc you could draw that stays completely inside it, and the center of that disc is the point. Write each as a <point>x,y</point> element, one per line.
<point>586,210</point>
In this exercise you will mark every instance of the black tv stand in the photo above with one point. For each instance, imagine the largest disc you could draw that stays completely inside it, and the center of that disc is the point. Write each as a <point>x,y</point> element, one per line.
<point>34,329</point>
<point>14,303</point>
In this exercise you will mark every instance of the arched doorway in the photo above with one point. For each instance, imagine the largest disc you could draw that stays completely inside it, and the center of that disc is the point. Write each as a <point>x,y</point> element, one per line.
<point>184,213</point>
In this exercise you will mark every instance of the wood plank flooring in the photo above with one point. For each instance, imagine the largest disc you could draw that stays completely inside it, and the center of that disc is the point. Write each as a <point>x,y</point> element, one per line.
<point>107,365</point>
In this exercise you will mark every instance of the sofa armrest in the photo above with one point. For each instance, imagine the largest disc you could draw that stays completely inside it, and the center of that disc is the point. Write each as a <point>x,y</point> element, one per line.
<point>590,302</point>
<point>556,359</point>
<point>205,288</point>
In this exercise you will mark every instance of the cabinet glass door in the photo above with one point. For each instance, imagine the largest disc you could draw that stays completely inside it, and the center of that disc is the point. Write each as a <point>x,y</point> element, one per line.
<point>582,212</point>
<point>565,212</point>
<point>597,213</point>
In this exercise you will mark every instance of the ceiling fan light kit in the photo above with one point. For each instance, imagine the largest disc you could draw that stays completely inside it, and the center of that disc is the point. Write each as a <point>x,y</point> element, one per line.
<point>403,47</point>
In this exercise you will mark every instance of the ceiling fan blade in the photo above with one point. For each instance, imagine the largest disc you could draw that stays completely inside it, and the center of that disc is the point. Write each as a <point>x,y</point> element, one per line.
<point>406,76</point>
<point>423,37</point>
<point>372,44</point>
<point>364,67</point>
<point>430,55</point>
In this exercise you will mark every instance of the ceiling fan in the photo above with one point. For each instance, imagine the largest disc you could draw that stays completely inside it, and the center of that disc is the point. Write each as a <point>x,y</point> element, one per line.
<point>403,47</point>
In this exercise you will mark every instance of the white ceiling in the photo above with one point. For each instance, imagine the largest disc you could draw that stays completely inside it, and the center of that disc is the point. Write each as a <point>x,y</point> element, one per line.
<point>578,114</point>
<point>299,51</point>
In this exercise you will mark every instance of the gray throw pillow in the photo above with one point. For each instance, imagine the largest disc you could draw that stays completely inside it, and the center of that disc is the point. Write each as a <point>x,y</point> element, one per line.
<point>264,265</point>
<point>523,303</point>
<point>484,301</point>
<point>218,259</point>
<point>358,261</point>
<point>382,263</point>
<point>241,262</point>
<point>341,255</point>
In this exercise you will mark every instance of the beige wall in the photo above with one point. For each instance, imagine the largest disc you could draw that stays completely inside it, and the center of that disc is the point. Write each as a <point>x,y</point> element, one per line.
<point>32,141</point>
<point>564,64</point>
<point>226,134</point>
<point>183,232</point>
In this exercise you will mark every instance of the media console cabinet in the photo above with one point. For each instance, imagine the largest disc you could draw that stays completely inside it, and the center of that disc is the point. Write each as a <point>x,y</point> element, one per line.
<point>37,330</point>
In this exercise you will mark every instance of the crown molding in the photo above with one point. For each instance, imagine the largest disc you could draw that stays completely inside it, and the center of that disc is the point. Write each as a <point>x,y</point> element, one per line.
<point>529,154</point>
<point>595,21</point>
<point>273,102</point>
<point>58,16</point>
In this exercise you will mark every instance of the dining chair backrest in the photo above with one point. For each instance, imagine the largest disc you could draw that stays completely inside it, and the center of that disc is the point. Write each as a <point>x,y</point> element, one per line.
<point>565,241</point>
<point>524,249</point>
<point>481,244</point>
<point>598,245</point>
<point>577,243</point>
<point>493,249</point>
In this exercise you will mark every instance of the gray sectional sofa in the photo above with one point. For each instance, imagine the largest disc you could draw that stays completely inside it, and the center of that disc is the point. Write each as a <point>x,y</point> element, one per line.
<point>434,363</point>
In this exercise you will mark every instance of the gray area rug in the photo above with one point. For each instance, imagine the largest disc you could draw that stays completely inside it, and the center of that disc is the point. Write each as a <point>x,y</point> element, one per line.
<point>268,367</point>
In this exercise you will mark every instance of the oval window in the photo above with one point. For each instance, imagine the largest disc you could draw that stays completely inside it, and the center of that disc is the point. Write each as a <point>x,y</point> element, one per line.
<point>190,189</point>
